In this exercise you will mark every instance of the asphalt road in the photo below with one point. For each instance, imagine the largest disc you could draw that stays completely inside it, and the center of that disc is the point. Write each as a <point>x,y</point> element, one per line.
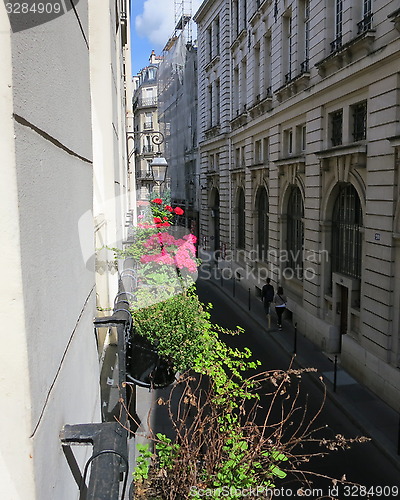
<point>363,464</point>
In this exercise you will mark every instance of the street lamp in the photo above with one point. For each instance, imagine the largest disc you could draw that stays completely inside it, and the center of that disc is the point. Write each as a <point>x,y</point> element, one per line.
<point>159,168</point>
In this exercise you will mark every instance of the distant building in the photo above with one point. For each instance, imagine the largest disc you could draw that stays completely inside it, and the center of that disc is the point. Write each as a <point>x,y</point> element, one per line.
<point>300,143</point>
<point>147,141</point>
<point>178,117</point>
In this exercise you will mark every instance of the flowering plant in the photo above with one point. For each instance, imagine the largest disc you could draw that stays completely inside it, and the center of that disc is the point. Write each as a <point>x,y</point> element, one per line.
<point>163,215</point>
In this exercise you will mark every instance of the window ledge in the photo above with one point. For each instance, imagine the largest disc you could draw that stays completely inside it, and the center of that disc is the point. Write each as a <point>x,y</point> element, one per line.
<point>293,86</point>
<point>239,120</point>
<point>359,148</point>
<point>260,10</point>
<point>356,48</point>
<point>215,60</point>
<point>297,164</point>
<point>212,131</point>
<point>239,39</point>
<point>260,106</point>
<point>395,18</point>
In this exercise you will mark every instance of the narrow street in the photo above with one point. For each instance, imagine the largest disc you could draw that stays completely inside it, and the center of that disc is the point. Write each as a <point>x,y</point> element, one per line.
<point>363,463</point>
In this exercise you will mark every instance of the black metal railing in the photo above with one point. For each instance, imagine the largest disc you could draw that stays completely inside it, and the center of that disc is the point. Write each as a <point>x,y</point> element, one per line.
<point>109,460</point>
<point>336,44</point>
<point>365,24</point>
<point>304,67</point>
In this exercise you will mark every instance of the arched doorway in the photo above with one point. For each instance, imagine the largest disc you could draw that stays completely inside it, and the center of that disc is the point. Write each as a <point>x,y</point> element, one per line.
<point>346,255</point>
<point>262,224</point>
<point>214,221</point>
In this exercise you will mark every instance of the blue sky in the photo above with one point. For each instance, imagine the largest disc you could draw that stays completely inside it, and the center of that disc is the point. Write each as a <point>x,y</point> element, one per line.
<point>152,23</point>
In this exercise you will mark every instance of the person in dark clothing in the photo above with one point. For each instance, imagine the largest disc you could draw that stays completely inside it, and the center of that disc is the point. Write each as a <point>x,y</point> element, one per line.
<point>280,305</point>
<point>267,295</point>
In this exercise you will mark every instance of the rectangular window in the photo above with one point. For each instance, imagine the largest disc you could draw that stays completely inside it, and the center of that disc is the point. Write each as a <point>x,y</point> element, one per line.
<point>257,152</point>
<point>266,149</point>
<point>301,138</point>
<point>209,43</point>
<point>359,116</point>
<point>243,86</point>
<point>236,17</point>
<point>304,66</point>
<point>366,22</point>
<point>148,121</point>
<point>236,91</point>
<point>256,73</point>
<point>217,36</point>
<point>210,107</point>
<point>288,141</point>
<point>237,157</point>
<point>336,127</point>
<point>211,163</point>
<point>267,65</point>
<point>337,42</point>
<point>288,49</point>
<point>217,102</point>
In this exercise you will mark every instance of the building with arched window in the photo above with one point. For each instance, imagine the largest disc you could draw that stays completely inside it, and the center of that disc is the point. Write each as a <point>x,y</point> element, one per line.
<point>299,111</point>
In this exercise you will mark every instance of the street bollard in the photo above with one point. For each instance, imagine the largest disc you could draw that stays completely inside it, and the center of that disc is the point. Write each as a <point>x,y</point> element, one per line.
<point>222,280</point>
<point>234,287</point>
<point>295,339</point>
<point>249,299</point>
<point>335,374</point>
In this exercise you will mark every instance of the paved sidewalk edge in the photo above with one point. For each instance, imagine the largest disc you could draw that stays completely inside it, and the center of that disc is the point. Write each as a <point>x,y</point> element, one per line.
<point>379,438</point>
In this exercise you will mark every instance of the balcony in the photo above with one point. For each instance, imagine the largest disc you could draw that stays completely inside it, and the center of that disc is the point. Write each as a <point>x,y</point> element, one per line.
<point>144,175</point>
<point>148,149</point>
<point>146,102</point>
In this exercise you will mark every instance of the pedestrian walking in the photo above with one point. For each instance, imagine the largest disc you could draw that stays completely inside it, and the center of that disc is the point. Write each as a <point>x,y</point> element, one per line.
<point>280,305</point>
<point>267,295</point>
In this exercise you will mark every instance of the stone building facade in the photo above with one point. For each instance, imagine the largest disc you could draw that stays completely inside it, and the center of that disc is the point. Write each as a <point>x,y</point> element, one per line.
<point>299,142</point>
<point>147,142</point>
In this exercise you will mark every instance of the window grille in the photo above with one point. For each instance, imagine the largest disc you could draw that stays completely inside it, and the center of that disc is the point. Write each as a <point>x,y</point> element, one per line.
<point>359,121</point>
<point>337,127</point>
<point>262,224</point>
<point>295,231</point>
<point>241,220</point>
<point>346,233</point>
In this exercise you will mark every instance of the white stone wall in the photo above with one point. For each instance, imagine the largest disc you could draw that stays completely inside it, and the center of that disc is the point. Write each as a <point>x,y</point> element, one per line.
<point>49,370</point>
<point>364,68</point>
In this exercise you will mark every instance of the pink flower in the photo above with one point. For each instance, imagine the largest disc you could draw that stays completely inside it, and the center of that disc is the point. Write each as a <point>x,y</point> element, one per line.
<point>170,209</point>
<point>178,211</point>
<point>158,201</point>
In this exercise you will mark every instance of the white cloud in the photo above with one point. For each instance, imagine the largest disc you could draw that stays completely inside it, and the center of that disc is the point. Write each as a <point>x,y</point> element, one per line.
<point>157,21</point>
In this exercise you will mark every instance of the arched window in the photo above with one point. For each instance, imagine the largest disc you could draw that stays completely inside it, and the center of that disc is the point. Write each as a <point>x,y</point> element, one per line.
<point>262,223</point>
<point>346,232</point>
<point>240,228</point>
<point>295,231</point>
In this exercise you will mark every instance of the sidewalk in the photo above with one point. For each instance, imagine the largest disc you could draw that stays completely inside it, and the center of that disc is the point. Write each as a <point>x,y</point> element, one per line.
<point>370,414</point>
